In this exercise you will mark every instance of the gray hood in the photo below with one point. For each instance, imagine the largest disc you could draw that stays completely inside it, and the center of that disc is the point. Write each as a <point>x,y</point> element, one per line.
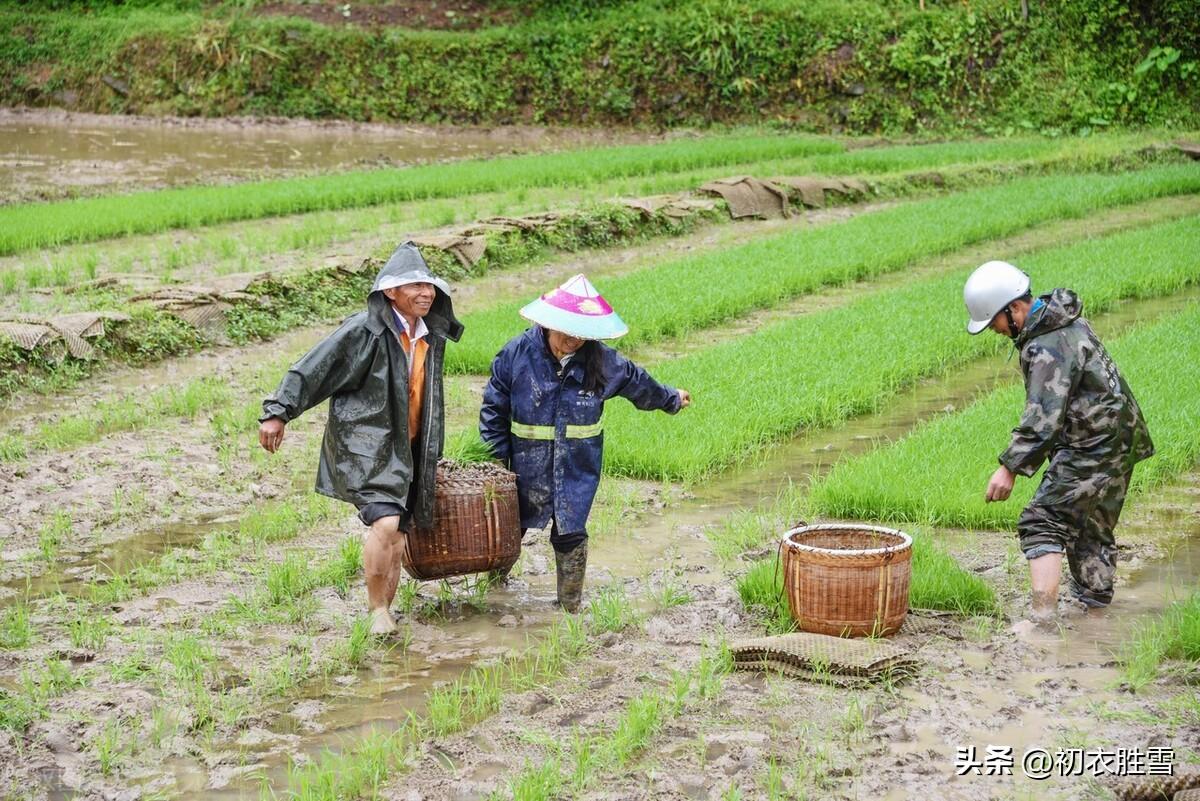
<point>407,266</point>
<point>1059,309</point>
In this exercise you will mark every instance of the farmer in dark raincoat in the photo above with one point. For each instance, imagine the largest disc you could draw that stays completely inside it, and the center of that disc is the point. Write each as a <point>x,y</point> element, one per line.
<point>382,370</point>
<point>541,415</point>
<point>1079,414</point>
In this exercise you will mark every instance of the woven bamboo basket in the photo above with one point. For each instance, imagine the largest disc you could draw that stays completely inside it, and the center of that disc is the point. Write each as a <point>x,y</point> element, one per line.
<point>847,580</point>
<point>476,527</point>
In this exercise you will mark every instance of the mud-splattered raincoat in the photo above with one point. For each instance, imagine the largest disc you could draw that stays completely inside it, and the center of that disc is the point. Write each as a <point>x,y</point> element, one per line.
<point>1081,415</point>
<point>362,368</point>
<point>538,417</point>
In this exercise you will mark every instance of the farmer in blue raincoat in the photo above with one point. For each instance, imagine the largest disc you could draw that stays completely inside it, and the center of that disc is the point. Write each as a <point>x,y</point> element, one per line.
<point>541,415</point>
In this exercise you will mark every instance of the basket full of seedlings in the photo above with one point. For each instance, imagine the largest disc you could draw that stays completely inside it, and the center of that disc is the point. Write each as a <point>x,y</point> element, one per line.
<point>476,523</point>
<point>847,579</point>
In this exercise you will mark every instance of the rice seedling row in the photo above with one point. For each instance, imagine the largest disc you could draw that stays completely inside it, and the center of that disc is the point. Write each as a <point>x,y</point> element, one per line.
<point>1174,636</point>
<point>825,367</point>
<point>572,767</point>
<point>42,225</point>
<point>703,291</point>
<point>192,258</point>
<point>939,472</point>
<point>656,168</point>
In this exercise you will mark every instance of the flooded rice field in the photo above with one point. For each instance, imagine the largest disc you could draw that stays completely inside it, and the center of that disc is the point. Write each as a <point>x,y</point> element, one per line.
<point>181,617</point>
<point>46,154</point>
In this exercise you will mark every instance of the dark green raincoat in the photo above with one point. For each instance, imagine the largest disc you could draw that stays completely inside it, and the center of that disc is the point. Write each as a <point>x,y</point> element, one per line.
<point>363,371</point>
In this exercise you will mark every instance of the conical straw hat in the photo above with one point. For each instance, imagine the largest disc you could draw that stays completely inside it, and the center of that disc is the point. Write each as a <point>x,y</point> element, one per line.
<point>576,308</point>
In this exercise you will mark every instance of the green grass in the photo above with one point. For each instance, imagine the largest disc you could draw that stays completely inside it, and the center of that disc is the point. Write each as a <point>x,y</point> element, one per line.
<point>820,369</point>
<point>1175,635</point>
<point>611,609</point>
<point>16,629</point>
<point>129,413</point>
<point>46,224</point>
<point>938,582</point>
<point>938,473</point>
<point>240,247</point>
<point>699,292</point>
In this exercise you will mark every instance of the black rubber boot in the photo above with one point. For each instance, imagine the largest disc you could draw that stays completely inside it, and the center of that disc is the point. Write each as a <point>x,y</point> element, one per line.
<point>572,566</point>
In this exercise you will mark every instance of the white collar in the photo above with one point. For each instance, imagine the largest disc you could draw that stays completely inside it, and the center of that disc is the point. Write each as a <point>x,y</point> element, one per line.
<point>421,329</point>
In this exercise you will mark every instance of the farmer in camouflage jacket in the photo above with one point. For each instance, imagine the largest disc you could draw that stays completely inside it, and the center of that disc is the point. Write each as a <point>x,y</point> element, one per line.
<point>1079,414</point>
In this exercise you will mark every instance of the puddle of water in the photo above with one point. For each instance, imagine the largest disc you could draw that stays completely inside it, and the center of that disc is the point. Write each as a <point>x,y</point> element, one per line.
<point>50,153</point>
<point>118,557</point>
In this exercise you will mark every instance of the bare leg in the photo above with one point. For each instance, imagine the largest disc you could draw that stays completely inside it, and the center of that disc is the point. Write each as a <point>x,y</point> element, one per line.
<point>1044,574</point>
<point>378,559</point>
<point>397,565</point>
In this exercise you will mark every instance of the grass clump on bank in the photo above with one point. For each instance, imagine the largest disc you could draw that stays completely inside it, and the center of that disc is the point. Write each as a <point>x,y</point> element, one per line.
<point>938,473</point>
<point>1175,635</point>
<point>699,292</point>
<point>849,360</point>
<point>938,582</point>
<point>42,225</point>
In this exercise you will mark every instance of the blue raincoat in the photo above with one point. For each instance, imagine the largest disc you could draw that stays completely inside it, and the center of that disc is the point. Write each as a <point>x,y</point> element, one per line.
<point>537,416</point>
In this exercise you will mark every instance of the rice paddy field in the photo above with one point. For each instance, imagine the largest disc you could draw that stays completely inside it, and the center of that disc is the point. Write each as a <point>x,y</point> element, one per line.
<point>182,617</point>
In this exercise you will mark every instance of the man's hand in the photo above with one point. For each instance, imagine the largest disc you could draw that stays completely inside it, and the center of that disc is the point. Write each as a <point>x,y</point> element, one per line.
<point>1000,487</point>
<point>270,434</point>
<point>685,398</point>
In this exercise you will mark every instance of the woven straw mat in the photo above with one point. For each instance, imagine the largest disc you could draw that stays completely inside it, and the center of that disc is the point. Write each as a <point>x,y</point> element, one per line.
<point>819,657</point>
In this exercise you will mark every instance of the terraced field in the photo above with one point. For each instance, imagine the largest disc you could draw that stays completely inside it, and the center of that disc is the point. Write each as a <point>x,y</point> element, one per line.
<point>182,617</point>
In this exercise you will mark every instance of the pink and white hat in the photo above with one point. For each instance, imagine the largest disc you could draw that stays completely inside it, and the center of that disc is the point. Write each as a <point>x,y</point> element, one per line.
<point>576,308</point>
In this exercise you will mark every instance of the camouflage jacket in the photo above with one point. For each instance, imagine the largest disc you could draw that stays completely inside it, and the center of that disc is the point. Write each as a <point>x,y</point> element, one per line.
<point>1077,407</point>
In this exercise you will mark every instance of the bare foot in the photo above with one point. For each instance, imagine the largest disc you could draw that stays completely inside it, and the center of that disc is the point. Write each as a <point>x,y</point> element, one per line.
<point>381,621</point>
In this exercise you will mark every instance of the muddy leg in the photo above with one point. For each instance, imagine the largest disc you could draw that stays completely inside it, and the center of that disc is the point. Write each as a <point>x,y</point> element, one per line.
<point>1044,573</point>
<point>380,552</point>
<point>571,568</point>
<point>398,543</point>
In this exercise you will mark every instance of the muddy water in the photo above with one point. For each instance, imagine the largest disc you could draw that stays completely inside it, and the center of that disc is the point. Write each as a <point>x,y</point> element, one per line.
<point>46,153</point>
<point>1081,655</point>
<point>382,696</point>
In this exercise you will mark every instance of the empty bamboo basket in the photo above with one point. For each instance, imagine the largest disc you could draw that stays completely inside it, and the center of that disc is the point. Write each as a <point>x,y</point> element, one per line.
<point>476,524</point>
<point>847,580</point>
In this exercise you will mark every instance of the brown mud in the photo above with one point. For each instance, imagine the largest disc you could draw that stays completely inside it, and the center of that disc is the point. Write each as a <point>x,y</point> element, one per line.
<point>48,154</point>
<point>980,685</point>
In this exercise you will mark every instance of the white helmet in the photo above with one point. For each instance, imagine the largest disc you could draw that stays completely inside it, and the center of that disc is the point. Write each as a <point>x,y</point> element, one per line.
<point>989,290</point>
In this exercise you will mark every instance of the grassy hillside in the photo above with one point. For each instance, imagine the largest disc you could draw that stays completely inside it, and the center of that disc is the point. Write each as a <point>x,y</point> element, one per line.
<point>853,65</point>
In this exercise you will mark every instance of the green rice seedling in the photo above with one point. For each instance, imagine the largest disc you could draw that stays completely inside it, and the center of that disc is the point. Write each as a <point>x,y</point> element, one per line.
<point>672,592</point>
<point>110,746</point>
<point>191,659</point>
<point>939,582</point>
<point>773,781</point>
<point>358,645</point>
<point>542,782</point>
<point>12,448</point>
<point>732,793</point>
<point>938,473</point>
<point>467,447</point>
<point>44,224</point>
<point>164,725</point>
<point>767,399</point>
<point>52,534</point>
<point>584,754</point>
<point>112,589</point>
<point>445,710</point>
<point>89,630</point>
<point>284,673</point>
<point>1174,635</point>
<point>714,664</point>
<point>641,720</point>
<point>289,580</point>
<point>131,667</point>
<point>761,589</point>
<point>407,593</point>
<point>693,292</point>
<point>345,564</point>
<point>611,609</point>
